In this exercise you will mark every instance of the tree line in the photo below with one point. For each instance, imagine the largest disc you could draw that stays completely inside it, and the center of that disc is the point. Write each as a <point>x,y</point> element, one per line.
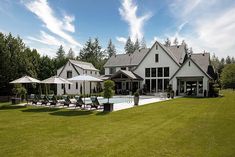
<point>17,60</point>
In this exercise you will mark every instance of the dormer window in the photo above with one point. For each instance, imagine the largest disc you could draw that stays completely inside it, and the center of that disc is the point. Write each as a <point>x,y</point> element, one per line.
<point>69,74</point>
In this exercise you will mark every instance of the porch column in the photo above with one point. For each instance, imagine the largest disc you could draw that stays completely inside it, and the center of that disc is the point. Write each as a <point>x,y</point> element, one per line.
<point>185,87</point>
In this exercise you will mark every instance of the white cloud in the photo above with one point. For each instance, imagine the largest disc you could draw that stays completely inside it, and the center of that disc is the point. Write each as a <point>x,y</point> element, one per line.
<point>211,25</point>
<point>121,40</point>
<point>128,11</point>
<point>45,13</point>
<point>47,39</point>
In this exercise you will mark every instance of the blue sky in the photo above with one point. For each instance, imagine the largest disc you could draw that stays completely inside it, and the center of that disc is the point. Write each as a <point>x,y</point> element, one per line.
<point>46,24</point>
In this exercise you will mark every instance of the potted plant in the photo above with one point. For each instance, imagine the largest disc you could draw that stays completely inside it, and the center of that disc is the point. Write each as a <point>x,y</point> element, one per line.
<point>136,98</point>
<point>169,90</point>
<point>108,93</point>
<point>19,92</point>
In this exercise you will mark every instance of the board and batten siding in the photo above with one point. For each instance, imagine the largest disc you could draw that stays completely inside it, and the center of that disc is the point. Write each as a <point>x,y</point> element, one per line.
<point>164,60</point>
<point>190,70</point>
<point>73,90</point>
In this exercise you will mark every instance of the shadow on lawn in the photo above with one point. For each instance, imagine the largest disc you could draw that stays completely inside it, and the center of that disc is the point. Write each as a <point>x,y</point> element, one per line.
<point>10,107</point>
<point>41,109</point>
<point>72,113</point>
<point>102,113</point>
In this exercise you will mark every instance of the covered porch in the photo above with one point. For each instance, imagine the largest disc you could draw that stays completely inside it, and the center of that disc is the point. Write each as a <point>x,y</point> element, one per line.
<point>126,82</point>
<point>190,86</point>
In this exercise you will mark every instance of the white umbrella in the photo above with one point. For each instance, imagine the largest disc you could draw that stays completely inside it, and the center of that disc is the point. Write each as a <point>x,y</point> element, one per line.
<point>85,78</point>
<point>56,80</point>
<point>25,79</point>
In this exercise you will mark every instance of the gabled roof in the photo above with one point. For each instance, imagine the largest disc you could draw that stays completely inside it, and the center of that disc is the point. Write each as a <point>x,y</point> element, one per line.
<point>196,66</point>
<point>120,60</point>
<point>179,51</point>
<point>202,60</point>
<point>83,65</point>
<point>129,74</point>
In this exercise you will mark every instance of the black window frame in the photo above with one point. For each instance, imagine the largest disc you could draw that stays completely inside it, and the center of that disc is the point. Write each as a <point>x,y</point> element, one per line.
<point>147,73</point>
<point>156,58</point>
<point>153,72</point>
<point>158,72</point>
<point>166,72</point>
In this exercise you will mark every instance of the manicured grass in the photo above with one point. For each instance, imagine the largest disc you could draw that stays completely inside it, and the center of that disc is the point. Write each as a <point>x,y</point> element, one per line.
<point>184,127</point>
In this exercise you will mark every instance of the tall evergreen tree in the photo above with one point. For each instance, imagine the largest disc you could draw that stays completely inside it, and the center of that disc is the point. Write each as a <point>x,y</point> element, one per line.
<point>129,47</point>
<point>92,53</point>
<point>176,41</point>
<point>111,50</point>
<point>228,60</point>
<point>143,44</point>
<point>137,45</point>
<point>60,59</point>
<point>167,42</point>
<point>70,54</point>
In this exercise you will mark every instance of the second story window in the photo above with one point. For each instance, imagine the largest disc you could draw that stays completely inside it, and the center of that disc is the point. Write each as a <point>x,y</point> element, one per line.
<point>156,58</point>
<point>69,74</point>
<point>147,72</point>
<point>112,70</point>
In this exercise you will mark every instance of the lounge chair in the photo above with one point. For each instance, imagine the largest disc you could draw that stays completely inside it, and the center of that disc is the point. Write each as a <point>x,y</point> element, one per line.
<point>66,101</point>
<point>45,101</point>
<point>95,103</point>
<point>79,102</point>
<point>53,101</point>
<point>35,100</point>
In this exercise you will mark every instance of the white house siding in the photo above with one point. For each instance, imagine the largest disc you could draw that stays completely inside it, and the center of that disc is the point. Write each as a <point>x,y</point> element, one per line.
<point>164,60</point>
<point>73,90</point>
<point>191,71</point>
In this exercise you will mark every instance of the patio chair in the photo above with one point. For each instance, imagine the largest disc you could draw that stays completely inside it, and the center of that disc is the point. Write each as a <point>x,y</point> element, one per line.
<point>66,101</point>
<point>35,100</point>
<point>95,103</point>
<point>53,101</point>
<point>79,102</point>
<point>45,101</point>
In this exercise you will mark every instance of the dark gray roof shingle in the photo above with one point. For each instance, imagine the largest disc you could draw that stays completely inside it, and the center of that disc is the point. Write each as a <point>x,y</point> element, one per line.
<point>202,60</point>
<point>126,59</point>
<point>178,51</point>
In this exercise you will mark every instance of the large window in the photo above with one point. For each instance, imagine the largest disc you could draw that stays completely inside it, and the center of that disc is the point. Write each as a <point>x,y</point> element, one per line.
<point>69,74</point>
<point>156,57</point>
<point>159,72</point>
<point>147,72</point>
<point>69,86</point>
<point>159,85</point>
<point>147,83</point>
<point>166,72</point>
<point>112,70</point>
<point>153,85</point>
<point>153,72</point>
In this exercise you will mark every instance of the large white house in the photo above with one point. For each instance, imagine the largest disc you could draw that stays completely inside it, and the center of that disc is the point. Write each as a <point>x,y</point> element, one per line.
<point>74,68</point>
<point>155,68</point>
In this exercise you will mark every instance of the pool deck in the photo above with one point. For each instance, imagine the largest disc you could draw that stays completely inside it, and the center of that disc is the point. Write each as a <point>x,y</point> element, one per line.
<point>129,103</point>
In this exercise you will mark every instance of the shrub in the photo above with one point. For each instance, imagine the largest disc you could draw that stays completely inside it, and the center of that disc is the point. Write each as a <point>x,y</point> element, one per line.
<point>19,90</point>
<point>108,89</point>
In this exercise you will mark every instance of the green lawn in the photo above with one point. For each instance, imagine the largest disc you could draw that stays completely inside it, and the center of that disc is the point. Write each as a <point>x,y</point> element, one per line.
<point>183,127</point>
